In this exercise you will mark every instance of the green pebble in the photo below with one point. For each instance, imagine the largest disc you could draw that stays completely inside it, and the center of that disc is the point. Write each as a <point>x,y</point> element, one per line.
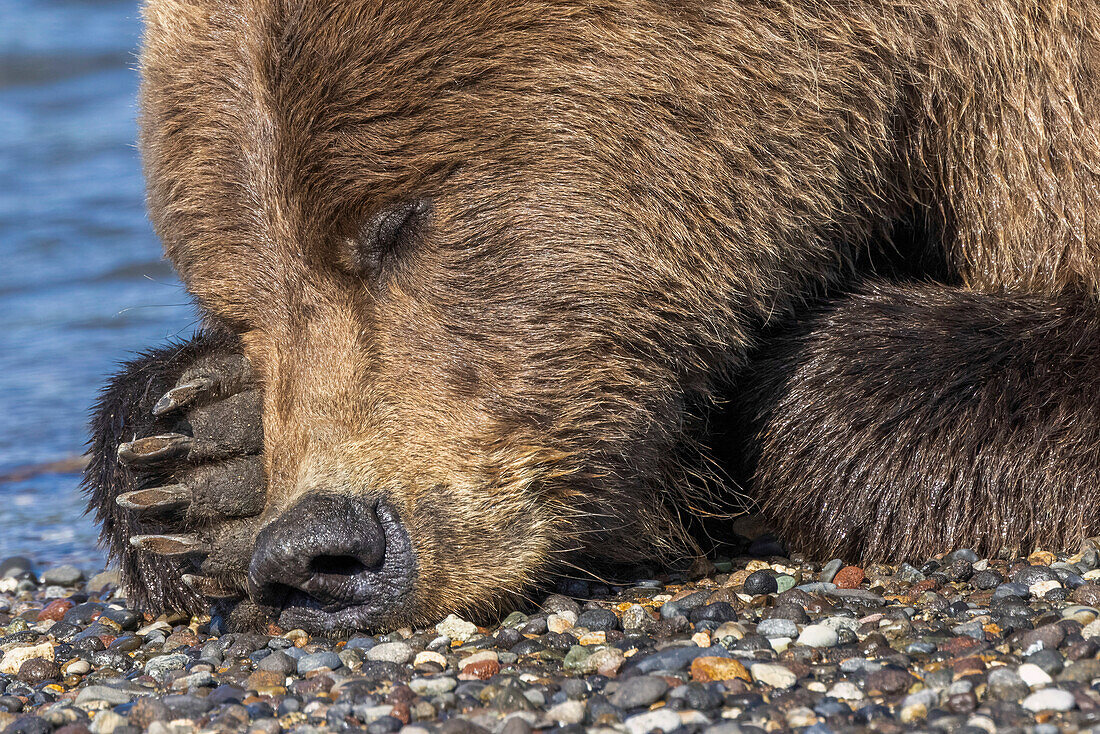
<point>784,582</point>
<point>576,657</point>
<point>515,619</point>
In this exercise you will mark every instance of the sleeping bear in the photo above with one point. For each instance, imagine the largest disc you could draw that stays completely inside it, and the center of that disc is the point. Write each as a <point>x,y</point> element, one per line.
<point>478,279</point>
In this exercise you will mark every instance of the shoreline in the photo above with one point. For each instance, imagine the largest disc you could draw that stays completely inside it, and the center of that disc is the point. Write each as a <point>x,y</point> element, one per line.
<point>760,645</point>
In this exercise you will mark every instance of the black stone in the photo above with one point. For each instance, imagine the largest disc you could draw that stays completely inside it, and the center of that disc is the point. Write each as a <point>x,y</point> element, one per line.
<point>761,582</point>
<point>598,619</point>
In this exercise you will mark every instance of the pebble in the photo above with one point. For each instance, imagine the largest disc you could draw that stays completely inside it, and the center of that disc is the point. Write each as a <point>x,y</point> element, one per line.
<point>777,627</point>
<point>849,577</point>
<point>393,652</point>
<point>818,635</point>
<point>320,660</point>
<point>159,667</point>
<point>1049,699</point>
<point>15,657</point>
<point>104,694</point>
<point>1033,676</point>
<point>661,719</point>
<point>38,670</point>
<point>761,582</point>
<point>433,686</point>
<point>707,669</point>
<point>455,628</point>
<point>846,690</point>
<point>561,621</point>
<point>946,644</point>
<point>66,575</point>
<point>639,691</point>
<point>567,712</point>
<point>776,676</point>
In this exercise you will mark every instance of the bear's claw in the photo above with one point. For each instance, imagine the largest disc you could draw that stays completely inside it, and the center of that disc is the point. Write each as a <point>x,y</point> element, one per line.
<point>169,545</point>
<point>156,499</point>
<point>176,475</point>
<point>153,449</point>
<point>183,395</point>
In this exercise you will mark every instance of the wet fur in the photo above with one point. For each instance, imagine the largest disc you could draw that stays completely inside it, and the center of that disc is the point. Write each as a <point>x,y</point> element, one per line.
<point>620,197</point>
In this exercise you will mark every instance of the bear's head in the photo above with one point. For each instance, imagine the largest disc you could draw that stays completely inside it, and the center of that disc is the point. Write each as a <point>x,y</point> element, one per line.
<point>478,253</point>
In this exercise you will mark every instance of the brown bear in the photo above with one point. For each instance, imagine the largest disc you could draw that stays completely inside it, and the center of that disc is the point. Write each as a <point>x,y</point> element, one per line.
<point>477,274</point>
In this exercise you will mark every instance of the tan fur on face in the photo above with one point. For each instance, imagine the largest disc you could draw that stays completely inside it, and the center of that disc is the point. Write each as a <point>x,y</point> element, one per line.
<point>620,195</point>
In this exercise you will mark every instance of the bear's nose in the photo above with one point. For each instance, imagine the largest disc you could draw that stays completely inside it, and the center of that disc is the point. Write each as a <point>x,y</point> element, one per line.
<point>332,562</point>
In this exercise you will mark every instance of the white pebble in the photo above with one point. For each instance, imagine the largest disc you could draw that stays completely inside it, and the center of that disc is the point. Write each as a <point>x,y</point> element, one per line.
<point>1092,629</point>
<point>1033,675</point>
<point>17,656</point>
<point>1049,699</point>
<point>561,621</point>
<point>818,635</point>
<point>846,690</point>
<point>1041,587</point>
<point>776,676</point>
<point>567,712</point>
<point>456,628</point>
<point>652,720</point>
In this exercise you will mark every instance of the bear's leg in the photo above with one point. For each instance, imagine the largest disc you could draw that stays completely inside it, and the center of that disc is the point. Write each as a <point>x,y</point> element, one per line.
<point>902,421</point>
<point>176,478</point>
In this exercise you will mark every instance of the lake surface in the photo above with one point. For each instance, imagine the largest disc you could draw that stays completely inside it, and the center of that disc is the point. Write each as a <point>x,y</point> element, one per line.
<point>82,281</point>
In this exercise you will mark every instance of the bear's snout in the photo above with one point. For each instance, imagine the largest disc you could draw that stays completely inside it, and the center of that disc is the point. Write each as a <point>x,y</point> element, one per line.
<point>333,561</point>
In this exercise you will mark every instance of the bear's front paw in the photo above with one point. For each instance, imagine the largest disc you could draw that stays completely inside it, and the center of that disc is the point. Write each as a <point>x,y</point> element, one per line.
<point>176,474</point>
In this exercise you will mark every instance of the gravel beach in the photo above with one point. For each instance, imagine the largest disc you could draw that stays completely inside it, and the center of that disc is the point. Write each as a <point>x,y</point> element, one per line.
<point>955,644</point>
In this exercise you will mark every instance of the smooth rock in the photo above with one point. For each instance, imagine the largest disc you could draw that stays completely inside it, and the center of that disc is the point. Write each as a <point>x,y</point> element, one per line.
<point>817,635</point>
<point>639,691</point>
<point>395,652</point>
<point>770,674</point>
<point>67,575</point>
<point>1049,699</point>
<point>662,719</point>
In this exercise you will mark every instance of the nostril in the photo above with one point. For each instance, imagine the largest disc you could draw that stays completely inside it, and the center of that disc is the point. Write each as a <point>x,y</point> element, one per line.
<point>338,566</point>
<point>330,553</point>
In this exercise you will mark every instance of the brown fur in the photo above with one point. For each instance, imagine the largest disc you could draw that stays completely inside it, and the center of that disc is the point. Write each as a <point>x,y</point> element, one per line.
<point>620,195</point>
<point>902,421</point>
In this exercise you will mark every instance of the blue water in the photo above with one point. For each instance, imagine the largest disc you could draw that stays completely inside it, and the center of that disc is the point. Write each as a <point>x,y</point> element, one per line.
<point>82,280</point>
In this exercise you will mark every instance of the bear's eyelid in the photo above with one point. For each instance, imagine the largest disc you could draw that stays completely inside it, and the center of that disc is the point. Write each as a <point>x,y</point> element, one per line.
<point>383,234</point>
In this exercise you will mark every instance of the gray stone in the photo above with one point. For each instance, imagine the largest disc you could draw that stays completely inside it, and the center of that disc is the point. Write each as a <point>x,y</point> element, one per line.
<point>67,575</point>
<point>829,570</point>
<point>160,666</point>
<point>640,691</point>
<point>1006,684</point>
<point>279,662</point>
<point>106,694</point>
<point>318,660</point>
<point>777,627</point>
<point>433,686</point>
<point>662,719</point>
<point>391,652</point>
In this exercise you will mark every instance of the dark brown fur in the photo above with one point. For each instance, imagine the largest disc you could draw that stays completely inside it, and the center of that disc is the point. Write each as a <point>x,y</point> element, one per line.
<point>620,195</point>
<point>902,421</point>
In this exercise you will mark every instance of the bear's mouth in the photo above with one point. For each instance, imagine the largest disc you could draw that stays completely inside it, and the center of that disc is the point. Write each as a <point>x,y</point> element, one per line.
<point>340,563</point>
